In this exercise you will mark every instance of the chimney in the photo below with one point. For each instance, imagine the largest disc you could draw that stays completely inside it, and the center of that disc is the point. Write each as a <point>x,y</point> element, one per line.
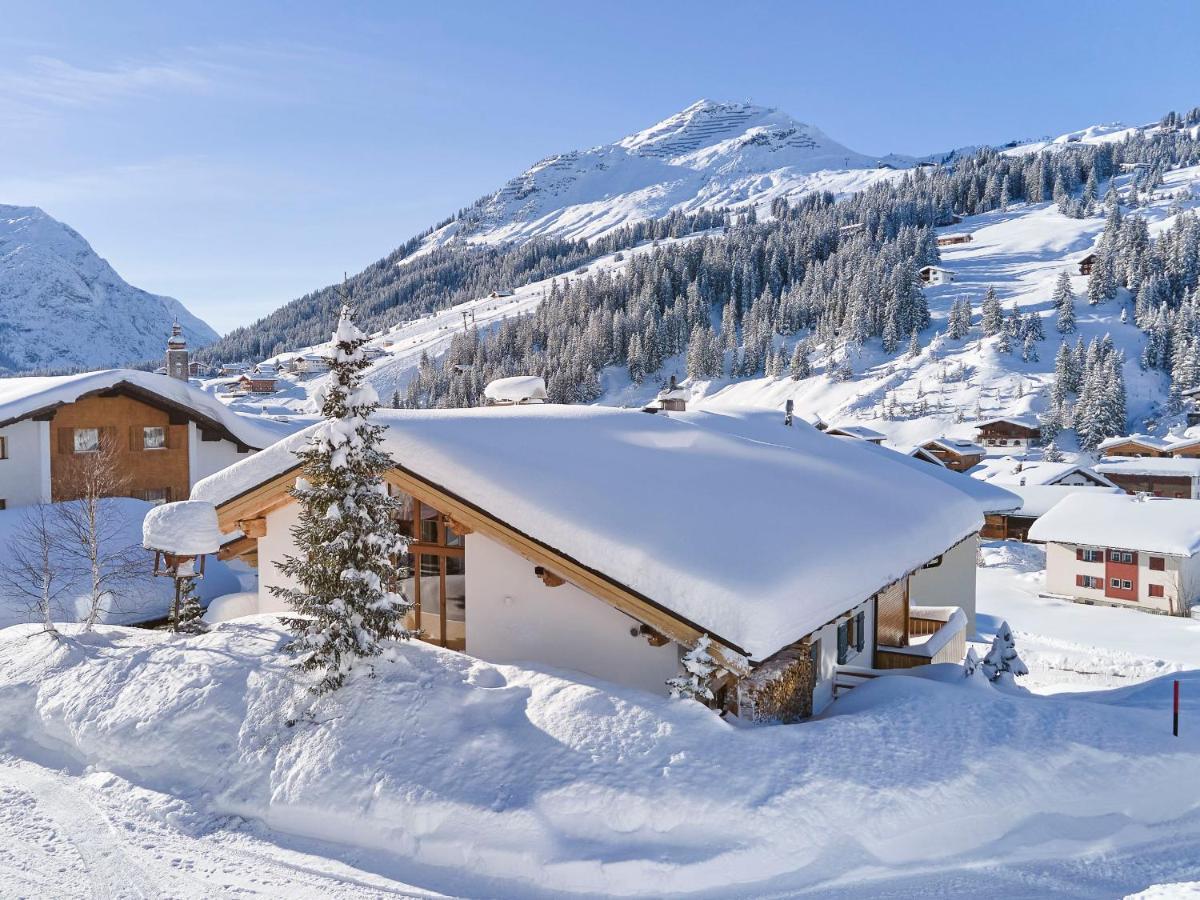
<point>177,354</point>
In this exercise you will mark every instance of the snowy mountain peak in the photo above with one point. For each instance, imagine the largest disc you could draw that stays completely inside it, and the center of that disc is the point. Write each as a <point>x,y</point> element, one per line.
<point>710,154</point>
<point>63,306</point>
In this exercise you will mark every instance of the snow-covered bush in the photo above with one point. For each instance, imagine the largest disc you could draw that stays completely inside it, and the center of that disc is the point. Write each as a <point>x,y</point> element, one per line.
<point>1002,664</point>
<point>699,668</point>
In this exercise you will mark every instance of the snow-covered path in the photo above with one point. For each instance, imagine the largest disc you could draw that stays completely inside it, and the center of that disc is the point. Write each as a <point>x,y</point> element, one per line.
<point>97,836</point>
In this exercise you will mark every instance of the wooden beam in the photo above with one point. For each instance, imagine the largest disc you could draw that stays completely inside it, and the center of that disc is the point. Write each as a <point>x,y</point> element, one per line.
<point>548,578</point>
<point>257,501</point>
<point>253,528</point>
<point>238,548</point>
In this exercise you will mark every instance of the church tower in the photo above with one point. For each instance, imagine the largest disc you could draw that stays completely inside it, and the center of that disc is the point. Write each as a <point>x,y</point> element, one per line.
<point>177,354</point>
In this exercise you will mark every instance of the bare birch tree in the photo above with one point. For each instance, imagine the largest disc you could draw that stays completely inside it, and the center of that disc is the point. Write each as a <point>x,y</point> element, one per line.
<point>94,543</point>
<point>33,568</point>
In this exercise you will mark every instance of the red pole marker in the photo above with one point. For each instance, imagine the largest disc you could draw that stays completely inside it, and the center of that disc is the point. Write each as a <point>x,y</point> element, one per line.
<point>1176,726</point>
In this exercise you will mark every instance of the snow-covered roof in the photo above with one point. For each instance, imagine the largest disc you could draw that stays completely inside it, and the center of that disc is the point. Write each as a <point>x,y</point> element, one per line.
<point>988,498</point>
<point>920,452</point>
<point>646,501</point>
<point>517,389</point>
<point>21,398</point>
<point>1039,499</point>
<point>961,446</point>
<point>1149,465</point>
<point>1144,440</point>
<point>185,528</point>
<point>1025,421</point>
<point>1149,524</point>
<point>862,432</point>
<point>1009,471</point>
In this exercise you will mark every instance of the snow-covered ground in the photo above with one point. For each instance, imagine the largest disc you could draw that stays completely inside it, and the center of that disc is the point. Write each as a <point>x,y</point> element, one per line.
<point>140,764</point>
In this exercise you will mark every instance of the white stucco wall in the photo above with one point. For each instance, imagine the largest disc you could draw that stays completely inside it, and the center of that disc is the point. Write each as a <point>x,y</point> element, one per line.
<point>1179,575</point>
<point>827,663</point>
<point>512,617</point>
<point>208,457</point>
<point>950,584</point>
<point>25,474</point>
<point>272,548</point>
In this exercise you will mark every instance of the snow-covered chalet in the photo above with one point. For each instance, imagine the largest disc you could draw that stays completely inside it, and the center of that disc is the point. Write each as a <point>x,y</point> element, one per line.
<point>609,542</point>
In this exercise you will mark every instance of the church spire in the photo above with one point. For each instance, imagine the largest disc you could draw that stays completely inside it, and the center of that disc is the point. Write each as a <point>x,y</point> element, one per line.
<point>177,354</point>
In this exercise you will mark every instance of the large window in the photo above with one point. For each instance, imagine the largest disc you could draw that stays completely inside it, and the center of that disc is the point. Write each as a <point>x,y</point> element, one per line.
<point>434,574</point>
<point>87,440</point>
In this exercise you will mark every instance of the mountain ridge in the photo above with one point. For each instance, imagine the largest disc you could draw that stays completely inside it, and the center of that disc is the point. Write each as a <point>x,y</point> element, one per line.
<point>62,306</point>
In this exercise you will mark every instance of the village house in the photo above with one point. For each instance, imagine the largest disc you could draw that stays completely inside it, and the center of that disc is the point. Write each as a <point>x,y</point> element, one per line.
<point>1175,477</point>
<point>255,383</point>
<point>1192,397</point>
<point>1085,264</point>
<point>935,275</point>
<point>858,432</point>
<point>1134,446</point>
<point>310,363</point>
<point>672,398</point>
<point>1139,552</point>
<point>949,240</point>
<point>924,455</point>
<point>1014,432</point>
<point>164,434</point>
<point>518,390</point>
<point>955,453</point>
<point>589,538</point>
<point>1040,486</point>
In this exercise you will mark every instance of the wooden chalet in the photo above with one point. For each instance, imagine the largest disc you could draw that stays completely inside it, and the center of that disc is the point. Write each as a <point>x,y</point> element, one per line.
<point>582,538</point>
<point>1134,446</point>
<point>935,275</point>
<point>1014,432</point>
<point>949,240</point>
<point>1085,264</point>
<point>858,432</point>
<point>161,434</point>
<point>955,453</point>
<point>1174,477</point>
<point>256,383</point>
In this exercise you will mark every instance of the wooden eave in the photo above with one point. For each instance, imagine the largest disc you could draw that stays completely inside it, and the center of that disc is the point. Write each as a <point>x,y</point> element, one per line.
<point>150,398</point>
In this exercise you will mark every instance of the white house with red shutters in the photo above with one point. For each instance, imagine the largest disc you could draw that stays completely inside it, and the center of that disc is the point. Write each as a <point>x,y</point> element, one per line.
<point>1122,550</point>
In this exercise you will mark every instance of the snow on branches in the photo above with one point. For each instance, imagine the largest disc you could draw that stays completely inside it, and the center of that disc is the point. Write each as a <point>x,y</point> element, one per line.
<point>348,538</point>
<point>699,668</point>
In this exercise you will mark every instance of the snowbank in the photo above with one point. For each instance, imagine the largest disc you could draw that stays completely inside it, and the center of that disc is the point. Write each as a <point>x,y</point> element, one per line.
<point>146,599</point>
<point>495,781</point>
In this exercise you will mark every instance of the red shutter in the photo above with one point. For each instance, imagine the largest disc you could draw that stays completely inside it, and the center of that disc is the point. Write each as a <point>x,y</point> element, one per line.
<point>137,438</point>
<point>1079,582</point>
<point>66,440</point>
<point>1079,553</point>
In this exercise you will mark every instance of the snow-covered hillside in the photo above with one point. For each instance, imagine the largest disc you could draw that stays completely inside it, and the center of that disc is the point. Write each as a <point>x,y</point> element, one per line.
<point>708,155</point>
<point>63,307</point>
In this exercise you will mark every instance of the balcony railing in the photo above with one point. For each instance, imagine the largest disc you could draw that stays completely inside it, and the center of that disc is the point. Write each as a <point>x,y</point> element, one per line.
<point>936,634</point>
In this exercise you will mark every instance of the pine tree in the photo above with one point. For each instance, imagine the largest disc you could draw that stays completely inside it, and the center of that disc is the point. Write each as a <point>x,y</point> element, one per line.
<point>914,345</point>
<point>1029,350</point>
<point>1064,304</point>
<point>191,614</point>
<point>1051,453</point>
<point>993,315</point>
<point>348,537</point>
<point>1002,664</point>
<point>800,367</point>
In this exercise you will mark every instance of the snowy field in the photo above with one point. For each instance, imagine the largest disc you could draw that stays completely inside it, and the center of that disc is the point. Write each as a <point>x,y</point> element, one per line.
<point>139,764</point>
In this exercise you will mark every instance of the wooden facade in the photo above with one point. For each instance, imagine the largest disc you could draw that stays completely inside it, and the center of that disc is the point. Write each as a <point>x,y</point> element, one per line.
<point>1003,433</point>
<point>1085,264</point>
<point>949,240</point>
<point>157,473</point>
<point>1177,486</point>
<point>953,459</point>
<point>1135,448</point>
<point>1006,527</point>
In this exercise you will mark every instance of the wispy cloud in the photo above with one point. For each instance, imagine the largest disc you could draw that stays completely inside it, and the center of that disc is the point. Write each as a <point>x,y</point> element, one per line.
<point>54,81</point>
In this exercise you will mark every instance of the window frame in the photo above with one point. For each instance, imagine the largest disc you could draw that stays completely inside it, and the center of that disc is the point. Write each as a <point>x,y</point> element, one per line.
<point>423,552</point>
<point>75,432</point>
<point>1155,590</point>
<point>1156,563</point>
<point>3,446</point>
<point>161,429</point>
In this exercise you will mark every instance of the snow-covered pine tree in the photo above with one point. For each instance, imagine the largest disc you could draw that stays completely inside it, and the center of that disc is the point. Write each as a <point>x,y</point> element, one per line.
<point>1004,341</point>
<point>993,314</point>
<point>1033,325</point>
<point>1029,350</point>
<point>800,367</point>
<point>1051,453</point>
<point>1002,664</point>
<point>191,614</point>
<point>914,345</point>
<point>699,667</point>
<point>1064,304</point>
<point>348,537</point>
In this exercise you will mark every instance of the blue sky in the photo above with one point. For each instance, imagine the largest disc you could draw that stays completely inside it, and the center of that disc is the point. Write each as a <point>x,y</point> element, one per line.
<point>237,155</point>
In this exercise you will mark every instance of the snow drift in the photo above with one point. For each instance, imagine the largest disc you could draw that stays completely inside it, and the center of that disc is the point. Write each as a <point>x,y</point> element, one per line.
<point>484,780</point>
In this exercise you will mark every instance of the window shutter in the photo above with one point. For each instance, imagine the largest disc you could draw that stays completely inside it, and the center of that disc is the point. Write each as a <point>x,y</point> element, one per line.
<point>108,437</point>
<point>1079,582</point>
<point>172,435</point>
<point>1079,553</point>
<point>137,438</point>
<point>860,637</point>
<point>66,440</point>
<point>843,643</point>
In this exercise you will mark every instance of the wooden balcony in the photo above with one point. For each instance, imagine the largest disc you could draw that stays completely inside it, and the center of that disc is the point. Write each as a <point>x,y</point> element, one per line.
<point>936,634</point>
